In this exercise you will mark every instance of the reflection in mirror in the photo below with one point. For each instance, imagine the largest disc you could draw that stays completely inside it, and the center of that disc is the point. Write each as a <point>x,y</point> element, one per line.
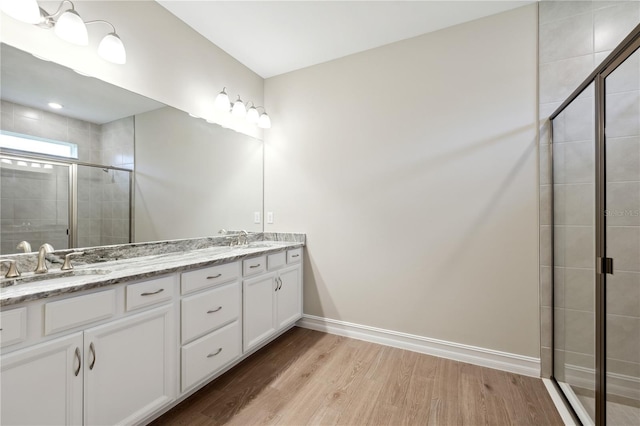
<point>192,178</point>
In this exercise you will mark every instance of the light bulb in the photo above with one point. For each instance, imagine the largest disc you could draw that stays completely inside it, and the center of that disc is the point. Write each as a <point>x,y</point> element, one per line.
<point>111,49</point>
<point>264,122</point>
<point>222,101</point>
<point>253,115</point>
<point>71,28</point>
<point>23,10</point>
<point>239,110</point>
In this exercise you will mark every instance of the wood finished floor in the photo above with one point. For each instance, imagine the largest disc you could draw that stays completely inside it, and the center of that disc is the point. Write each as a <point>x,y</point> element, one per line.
<point>310,378</point>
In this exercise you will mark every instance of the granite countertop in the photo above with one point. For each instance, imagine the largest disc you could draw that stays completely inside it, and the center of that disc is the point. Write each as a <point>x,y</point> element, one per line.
<point>95,275</point>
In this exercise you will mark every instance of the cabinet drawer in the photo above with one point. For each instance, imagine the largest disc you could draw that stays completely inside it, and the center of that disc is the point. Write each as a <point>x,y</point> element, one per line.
<point>207,277</point>
<point>13,326</point>
<point>210,353</point>
<point>80,310</point>
<point>254,266</point>
<point>150,292</point>
<point>275,261</point>
<point>294,256</point>
<point>207,311</point>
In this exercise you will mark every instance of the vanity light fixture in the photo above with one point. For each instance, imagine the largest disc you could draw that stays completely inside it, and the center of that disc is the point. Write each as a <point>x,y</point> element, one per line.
<point>67,25</point>
<point>239,110</point>
<point>222,100</point>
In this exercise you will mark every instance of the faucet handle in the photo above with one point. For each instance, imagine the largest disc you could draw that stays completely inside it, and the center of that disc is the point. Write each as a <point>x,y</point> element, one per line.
<point>67,266</point>
<point>13,269</point>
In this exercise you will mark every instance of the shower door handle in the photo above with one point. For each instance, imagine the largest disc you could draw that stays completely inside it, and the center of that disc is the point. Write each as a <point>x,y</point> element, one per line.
<point>605,265</point>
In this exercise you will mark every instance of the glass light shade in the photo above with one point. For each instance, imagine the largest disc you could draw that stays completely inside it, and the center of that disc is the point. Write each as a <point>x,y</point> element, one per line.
<point>239,110</point>
<point>23,10</point>
<point>264,122</point>
<point>111,49</point>
<point>222,101</point>
<point>253,115</point>
<point>71,28</point>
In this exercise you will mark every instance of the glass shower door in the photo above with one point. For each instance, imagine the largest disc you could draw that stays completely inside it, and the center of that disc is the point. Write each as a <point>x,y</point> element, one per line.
<point>622,227</point>
<point>34,199</point>
<point>574,253</point>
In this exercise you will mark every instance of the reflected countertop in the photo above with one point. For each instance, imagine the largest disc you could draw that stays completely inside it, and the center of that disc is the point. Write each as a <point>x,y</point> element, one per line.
<point>95,275</point>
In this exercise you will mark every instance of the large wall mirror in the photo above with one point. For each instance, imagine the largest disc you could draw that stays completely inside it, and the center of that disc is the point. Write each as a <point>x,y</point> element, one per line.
<point>122,167</point>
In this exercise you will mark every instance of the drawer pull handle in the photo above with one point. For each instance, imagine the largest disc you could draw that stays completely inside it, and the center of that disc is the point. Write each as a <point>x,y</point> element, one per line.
<point>295,255</point>
<point>214,310</point>
<point>214,354</point>
<point>92,349</point>
<point>153,292</point>
<point>79,362</point>
<point>254,266</point>
<point>214,277</point>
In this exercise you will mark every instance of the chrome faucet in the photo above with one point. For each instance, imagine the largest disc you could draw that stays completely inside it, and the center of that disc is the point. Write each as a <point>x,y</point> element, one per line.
<point>24,246</point>
<point>41,267</point>
<point>67,266</point>
<point>12,272</point>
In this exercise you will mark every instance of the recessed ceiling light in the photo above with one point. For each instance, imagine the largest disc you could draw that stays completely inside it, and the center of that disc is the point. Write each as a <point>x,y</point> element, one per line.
<point>81,73</point>
<point>54,105</point>
<point>42,58</point>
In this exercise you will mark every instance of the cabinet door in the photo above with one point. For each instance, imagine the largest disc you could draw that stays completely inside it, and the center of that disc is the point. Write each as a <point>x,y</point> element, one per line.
<point>258,320</point>
<point>130,367</point>
<point>42,385</point>
<point>289,297</point>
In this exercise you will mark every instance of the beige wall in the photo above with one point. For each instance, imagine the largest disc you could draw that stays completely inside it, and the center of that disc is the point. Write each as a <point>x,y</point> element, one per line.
<point>159,64</point>
<point>413,170</point>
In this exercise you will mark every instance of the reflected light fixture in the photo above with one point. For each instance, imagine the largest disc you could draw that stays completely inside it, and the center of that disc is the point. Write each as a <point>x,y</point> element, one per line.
<point>54,105</point>
<point>67,25</point>
<point>253,115</point>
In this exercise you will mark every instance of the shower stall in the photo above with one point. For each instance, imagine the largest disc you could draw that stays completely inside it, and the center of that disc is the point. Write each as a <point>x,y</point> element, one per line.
<point>62,202</point>
<point>596,241</point>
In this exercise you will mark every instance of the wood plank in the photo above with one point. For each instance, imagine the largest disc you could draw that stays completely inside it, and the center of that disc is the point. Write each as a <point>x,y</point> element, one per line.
<point>308,377</point>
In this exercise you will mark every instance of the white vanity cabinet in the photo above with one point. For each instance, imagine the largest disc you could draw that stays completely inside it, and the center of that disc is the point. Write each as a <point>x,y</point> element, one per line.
<point>112,367</point>
<point>210,322</point>
<point>42,384</point>
<point>272,301</point>
<point>129,372</point>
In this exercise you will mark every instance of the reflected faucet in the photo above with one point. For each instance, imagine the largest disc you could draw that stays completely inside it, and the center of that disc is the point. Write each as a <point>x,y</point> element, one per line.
<point>242,238</point>
<point>41,267</point>
<point>24,246</point>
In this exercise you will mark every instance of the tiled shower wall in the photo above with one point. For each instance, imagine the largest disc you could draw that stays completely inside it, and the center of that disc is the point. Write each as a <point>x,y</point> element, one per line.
<point>106,193</point>
<point>574,37</point>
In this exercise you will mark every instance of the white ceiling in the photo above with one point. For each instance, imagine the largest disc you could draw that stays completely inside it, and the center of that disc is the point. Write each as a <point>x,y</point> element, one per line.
<point>275,37</point>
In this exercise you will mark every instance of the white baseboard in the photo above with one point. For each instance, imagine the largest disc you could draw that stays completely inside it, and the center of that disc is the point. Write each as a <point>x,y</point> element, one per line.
<point>505,361</point>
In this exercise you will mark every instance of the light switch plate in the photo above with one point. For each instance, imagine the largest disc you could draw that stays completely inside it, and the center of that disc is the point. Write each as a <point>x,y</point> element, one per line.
<point>256,217</point>
<point>269,217</point>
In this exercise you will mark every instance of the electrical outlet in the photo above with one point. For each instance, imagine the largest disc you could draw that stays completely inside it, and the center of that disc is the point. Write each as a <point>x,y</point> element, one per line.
<point>256,217</point>
<point>269,217</point>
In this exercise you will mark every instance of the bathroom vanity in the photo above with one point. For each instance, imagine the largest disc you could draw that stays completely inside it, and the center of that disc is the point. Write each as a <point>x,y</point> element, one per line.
<point>121,341</point>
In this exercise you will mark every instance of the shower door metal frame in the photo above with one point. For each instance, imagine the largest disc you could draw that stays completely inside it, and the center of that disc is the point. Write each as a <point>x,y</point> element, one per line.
<point>623,51</point>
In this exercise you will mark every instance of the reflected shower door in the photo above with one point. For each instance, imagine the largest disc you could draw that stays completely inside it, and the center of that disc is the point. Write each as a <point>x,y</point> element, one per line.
<point>622,227</point>
<point>34,198</point>
<point>574,253</point>
<point>103,206</point>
